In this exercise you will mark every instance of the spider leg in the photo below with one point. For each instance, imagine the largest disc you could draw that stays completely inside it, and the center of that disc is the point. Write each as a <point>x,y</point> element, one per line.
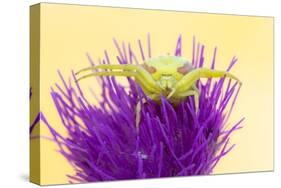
<point>141,75</point>
<point>154,97</point>
<point>189,79</point>
<point>138,114</point>
<point>141,80</point>
<point>195,88</point>
<point>109,66</point>
<point>126,67</point>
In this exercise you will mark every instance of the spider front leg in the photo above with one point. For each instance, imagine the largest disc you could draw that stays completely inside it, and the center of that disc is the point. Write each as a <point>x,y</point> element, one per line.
<point>189,79</point>
<point>141,75</point>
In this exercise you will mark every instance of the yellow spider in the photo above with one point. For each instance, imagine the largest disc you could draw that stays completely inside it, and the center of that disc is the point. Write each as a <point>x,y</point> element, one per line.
<point>173,77</point>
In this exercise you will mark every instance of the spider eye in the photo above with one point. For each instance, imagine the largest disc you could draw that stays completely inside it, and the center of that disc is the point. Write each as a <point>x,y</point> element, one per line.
<point>149,69</point>
<point>186,68</point>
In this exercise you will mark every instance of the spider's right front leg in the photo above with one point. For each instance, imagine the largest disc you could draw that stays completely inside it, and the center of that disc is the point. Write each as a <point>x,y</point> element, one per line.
<point>143,77</point>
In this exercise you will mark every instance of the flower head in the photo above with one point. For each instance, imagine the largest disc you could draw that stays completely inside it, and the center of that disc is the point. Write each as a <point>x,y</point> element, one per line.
<point>103,142</point>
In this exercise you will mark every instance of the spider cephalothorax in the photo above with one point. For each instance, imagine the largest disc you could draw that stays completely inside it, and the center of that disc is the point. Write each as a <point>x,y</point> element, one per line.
<point>170,76</point>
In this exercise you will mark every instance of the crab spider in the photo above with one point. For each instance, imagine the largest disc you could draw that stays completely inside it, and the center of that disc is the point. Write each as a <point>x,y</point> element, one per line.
<point>170,76</point>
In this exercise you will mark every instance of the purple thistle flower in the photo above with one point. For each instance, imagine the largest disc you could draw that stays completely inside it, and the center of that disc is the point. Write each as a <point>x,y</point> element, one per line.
<point>103,142</point>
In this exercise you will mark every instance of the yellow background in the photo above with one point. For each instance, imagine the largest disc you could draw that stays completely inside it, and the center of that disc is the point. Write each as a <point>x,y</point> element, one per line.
<point>69,31</point>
